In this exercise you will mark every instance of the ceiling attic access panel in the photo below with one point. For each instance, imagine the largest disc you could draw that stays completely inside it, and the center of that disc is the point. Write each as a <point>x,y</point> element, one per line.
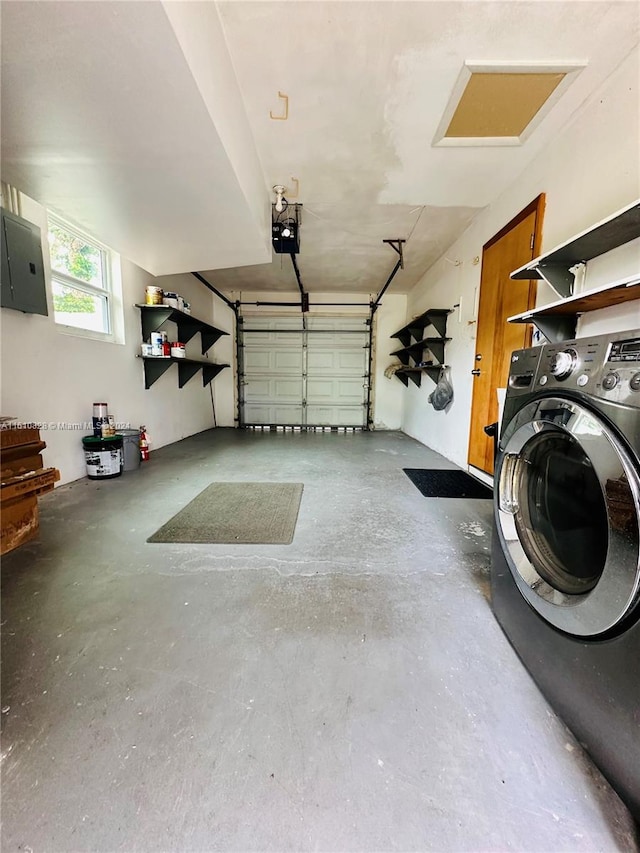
<point>501,104</point>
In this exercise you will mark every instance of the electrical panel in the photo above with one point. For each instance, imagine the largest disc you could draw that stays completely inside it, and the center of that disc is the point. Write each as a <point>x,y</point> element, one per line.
<point>22,285</point>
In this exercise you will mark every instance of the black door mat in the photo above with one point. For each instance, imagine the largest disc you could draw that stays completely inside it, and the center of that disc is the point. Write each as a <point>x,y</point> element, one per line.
<point>443,483</point>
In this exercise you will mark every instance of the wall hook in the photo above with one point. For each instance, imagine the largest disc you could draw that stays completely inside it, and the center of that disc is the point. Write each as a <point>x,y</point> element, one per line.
<point>285,98</point>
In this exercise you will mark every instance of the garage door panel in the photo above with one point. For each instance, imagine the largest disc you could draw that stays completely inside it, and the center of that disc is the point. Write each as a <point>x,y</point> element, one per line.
<point>327,369</point>
<point>278,389</point>
<point>274,414</point>
<point>339,361</point>
<point>333,416</point>
<point>319,361</point>
<point>337,390</point>
<point>287,360</point>
<point>255,360</point>
<point>287,388</point>
<point>265,359</point>
<point>258,386</point>
<point>271,338</point>
<point>331,342</point>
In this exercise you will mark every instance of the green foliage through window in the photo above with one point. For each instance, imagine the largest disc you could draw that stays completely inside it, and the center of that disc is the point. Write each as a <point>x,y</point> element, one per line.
<point>79,279</point>
<point>73,256</point>
<point>74,302</point>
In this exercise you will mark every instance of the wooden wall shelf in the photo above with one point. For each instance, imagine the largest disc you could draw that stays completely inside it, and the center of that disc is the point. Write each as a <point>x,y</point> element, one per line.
<point>554,267</point>
<point>558,320</point>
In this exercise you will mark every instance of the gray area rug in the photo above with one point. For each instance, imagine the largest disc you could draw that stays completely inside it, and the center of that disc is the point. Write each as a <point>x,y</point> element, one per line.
<point>238,513</point>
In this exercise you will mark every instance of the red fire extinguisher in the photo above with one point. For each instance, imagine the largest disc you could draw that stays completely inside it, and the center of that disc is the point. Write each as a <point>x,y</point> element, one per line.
<point>144,444</point>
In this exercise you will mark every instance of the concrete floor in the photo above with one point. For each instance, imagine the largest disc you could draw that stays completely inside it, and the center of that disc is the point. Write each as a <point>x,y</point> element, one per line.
<point>351,691</point>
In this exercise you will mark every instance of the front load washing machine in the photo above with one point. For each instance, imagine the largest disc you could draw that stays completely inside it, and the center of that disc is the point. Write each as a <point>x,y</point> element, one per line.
<point>566,547</point>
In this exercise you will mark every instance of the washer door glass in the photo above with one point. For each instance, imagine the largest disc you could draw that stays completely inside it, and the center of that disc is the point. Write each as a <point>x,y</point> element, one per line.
<point>568,508</point>
<point>562,520</point>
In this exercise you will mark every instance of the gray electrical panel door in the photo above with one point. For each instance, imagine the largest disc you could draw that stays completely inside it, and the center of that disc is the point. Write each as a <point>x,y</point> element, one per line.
<point>22,286</point>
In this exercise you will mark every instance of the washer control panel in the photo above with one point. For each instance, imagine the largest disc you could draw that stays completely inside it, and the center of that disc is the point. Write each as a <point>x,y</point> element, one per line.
<point>563,363</point>
<point>606,366</point>
<point>625,351</point>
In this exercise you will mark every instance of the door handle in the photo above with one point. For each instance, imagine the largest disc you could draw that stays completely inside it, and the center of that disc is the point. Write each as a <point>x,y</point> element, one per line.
<point>475,372</point>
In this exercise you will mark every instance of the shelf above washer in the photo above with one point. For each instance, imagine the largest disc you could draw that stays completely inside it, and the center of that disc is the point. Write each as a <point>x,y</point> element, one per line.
<point>557,321</point>
<point>554,267</point>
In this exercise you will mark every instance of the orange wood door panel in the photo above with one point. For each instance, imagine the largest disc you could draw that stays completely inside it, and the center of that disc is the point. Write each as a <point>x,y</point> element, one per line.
<point>500,298</point>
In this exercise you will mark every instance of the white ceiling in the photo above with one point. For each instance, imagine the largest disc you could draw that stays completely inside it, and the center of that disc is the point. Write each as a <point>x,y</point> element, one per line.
<point>148,123</point>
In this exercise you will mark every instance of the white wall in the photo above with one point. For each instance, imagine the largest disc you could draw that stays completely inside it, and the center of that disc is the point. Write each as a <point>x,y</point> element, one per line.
<point>50,377</point>
<point>387,394</point>
<point>588,172</point>
<point>201,36</point>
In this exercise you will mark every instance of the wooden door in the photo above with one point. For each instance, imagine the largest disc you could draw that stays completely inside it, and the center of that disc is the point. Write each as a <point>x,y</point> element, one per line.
<point>500,298</point>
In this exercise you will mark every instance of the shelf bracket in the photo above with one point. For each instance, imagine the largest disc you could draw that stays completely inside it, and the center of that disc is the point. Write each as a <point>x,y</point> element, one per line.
<point>187,329</point>
<point>210,371</point>
<point>557,328</point>
<point>403,356</point>
<point>208,340</point>
<point>404,338</point>
<point>185,372</point>
<point>151,321</point>
<point>433,371</point>
<point>558,277</point>
<point>436,346</point>
<point>153,370</point>
<point>439,322</point>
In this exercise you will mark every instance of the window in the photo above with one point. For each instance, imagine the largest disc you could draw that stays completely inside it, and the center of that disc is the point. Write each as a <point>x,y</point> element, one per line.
<point>81,281</point>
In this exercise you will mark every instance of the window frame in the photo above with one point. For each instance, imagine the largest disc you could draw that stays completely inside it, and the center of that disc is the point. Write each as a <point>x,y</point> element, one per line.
<point>107,292</point>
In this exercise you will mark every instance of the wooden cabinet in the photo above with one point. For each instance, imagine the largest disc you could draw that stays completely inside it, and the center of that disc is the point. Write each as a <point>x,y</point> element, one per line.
<point>23,479</point>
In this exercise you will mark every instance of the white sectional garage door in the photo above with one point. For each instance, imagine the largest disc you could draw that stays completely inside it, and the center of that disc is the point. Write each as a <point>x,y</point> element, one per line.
<point>313,376</point>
